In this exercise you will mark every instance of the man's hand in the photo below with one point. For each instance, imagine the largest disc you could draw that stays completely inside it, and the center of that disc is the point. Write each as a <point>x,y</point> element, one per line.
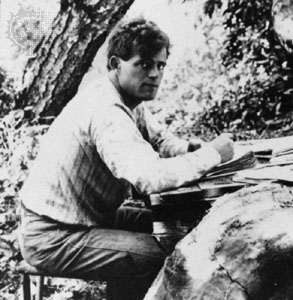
<point>224,145</point>
<point>194,144</point>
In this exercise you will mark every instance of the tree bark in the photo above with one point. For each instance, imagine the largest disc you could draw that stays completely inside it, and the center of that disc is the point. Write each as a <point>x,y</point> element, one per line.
<point>243,249</point>
<point>52,76</point>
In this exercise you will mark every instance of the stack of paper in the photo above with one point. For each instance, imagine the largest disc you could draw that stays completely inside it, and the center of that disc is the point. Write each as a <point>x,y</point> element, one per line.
<point>284,155</point>
<point>266,173</point>
<point>245,161</point>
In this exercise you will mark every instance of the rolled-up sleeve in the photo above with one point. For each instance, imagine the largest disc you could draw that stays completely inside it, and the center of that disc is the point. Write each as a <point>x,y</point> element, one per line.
<point>129,157</point>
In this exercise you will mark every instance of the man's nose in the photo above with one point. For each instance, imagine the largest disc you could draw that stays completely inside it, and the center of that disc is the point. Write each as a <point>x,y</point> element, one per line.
<point>154,72</point>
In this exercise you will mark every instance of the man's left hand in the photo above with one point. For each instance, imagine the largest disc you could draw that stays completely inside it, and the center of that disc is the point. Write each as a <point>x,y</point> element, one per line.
<point>194,144</point>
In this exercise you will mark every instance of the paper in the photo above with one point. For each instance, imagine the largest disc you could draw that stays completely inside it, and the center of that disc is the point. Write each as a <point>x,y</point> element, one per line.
<point>269,173</point>
<point>277,145</point>
<point>245,161</point>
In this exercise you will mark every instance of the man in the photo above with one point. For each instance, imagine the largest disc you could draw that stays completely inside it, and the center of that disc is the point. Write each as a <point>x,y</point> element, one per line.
<point>105,141</point>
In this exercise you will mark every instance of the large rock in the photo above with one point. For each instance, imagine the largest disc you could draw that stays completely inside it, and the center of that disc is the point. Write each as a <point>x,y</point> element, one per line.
<point>243,249</point>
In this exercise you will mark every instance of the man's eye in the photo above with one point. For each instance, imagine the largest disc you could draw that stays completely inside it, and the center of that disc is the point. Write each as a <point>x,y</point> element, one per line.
<point>161,66</point>
<point>145,65</point>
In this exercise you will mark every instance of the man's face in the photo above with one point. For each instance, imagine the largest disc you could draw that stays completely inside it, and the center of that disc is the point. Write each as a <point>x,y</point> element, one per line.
<point>140,77</point>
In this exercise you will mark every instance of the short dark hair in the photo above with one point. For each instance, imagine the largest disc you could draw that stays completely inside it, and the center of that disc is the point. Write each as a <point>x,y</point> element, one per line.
<point>136,36</point>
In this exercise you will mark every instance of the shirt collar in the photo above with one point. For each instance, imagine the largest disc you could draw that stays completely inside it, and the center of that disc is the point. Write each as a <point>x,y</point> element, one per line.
<point>121,102</point>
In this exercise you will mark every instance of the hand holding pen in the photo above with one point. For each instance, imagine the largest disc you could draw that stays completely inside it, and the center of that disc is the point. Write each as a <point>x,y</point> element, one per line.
<point>224,145</point>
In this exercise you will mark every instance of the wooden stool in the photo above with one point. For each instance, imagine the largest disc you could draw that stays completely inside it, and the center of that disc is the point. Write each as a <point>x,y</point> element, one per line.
<point>27,270</point>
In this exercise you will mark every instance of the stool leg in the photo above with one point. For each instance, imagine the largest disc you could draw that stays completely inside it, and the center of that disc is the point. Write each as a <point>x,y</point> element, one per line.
<point>40,285</point>
<point>26,287</point>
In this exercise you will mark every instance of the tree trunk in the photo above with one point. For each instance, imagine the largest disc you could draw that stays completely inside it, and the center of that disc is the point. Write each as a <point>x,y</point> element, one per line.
<point>243,249</point>
<point>51,78</point>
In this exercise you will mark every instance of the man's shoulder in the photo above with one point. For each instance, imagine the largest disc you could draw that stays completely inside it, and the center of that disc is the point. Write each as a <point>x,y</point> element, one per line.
<point>92,99</point>
<point>99,93</point>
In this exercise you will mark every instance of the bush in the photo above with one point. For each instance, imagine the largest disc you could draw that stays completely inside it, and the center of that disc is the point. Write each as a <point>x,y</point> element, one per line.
<point>260,68</point>
<point>18,147</point>
<point>6,93</point>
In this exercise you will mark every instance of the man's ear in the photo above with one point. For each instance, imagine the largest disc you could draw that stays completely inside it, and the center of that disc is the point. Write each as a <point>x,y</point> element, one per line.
<point>114,63</point>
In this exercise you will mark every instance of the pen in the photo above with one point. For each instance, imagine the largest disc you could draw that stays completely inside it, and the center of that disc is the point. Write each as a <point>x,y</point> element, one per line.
<point>218,132</point>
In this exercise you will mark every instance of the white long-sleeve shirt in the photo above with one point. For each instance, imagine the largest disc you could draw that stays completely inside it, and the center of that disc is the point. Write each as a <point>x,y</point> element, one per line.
<point>96,149</point>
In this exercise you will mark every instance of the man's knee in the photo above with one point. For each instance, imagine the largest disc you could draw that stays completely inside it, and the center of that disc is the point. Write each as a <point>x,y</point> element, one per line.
<point>134,219</point>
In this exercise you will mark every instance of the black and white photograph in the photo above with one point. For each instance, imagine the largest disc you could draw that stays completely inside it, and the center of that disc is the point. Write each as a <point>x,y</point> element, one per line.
<point>146,150</point>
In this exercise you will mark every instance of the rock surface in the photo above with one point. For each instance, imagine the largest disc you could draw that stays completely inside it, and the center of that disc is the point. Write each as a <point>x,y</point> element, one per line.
<point>243,249</point>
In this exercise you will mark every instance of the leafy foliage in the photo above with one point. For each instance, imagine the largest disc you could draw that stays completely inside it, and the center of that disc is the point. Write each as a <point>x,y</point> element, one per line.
<point>18,147</point>
<point>263,67</point>
<point>211,5</point>
<point>6,93</point>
